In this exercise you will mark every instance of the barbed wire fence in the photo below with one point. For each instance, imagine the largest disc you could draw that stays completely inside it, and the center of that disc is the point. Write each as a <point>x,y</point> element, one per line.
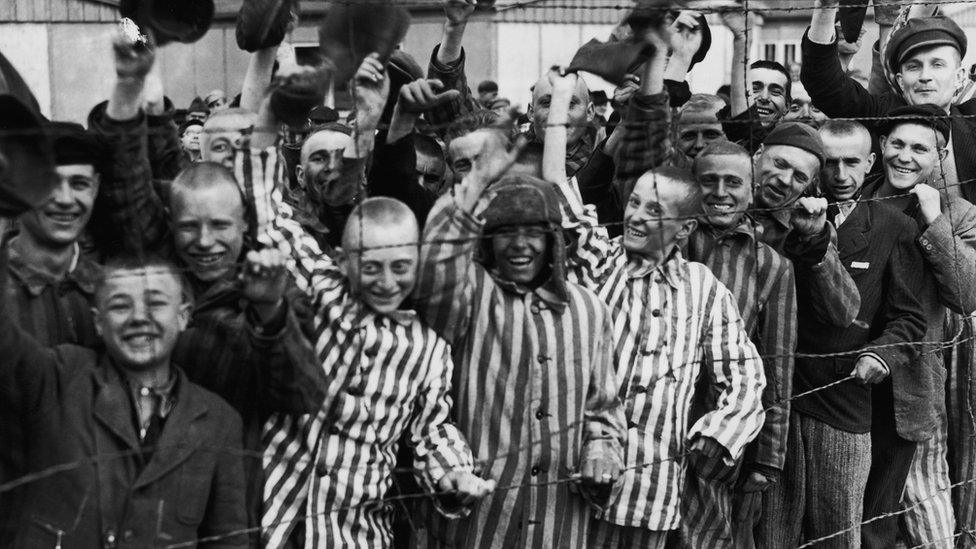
<point>956,341</point>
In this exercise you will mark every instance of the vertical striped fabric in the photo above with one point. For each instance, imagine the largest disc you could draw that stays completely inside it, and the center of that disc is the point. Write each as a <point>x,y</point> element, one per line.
<point>386,375</point>
<point>930,520</point>
<point>763,284</point>
<point>671,324</point>
<point>536,390</point>
<point>961,407</point>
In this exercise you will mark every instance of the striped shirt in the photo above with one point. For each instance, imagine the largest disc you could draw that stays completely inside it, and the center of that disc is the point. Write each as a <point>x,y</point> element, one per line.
<point>535,384</point>
<point>671,324</point>
<point>386,375</point>
<point>763,284</point>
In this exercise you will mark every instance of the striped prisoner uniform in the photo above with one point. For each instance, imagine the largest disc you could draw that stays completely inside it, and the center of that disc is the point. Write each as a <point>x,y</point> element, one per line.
<point>764,286</point>
<point>386,375</point>
<point>536,390</point>
<point>671,324</point>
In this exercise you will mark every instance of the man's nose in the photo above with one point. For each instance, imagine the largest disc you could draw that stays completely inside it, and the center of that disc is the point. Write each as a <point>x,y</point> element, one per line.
<point>62,194</point>
<point>206,238</point>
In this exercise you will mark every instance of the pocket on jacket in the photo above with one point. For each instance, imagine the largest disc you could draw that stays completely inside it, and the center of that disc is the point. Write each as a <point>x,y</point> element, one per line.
<point>194,493</point>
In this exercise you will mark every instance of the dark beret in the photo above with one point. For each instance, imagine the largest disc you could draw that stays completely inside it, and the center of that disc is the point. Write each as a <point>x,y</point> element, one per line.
<point>73,144</point>
<point>796,134</point>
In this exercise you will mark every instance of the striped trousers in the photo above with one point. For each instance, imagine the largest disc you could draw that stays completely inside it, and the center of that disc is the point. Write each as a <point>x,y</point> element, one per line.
<point>706,505</point>
<point>929,519</point>
<point>961,408</point>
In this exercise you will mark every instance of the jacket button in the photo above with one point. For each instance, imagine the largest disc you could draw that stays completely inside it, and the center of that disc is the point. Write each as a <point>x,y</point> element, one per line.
<point>110,539</point>
<point>128,535</point>
<point>656,312</point>
<point>540,414</point>
<point>542,359</point>
<point>535,470</point>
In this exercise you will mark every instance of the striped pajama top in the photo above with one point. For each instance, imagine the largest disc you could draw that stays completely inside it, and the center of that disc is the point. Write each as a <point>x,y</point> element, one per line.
<point>535,385</point>
<point>386,375</point>
<point>671,324</point>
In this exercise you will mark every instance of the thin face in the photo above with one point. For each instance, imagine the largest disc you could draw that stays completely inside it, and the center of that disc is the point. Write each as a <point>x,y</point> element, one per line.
<point>726,184</point>
<point>650,227</point>
<point>140,314</point>
<point>431,172</point>
<point>60,220</point>
<point>520,252</point>
<point>191,138</point>
<point>931,75</point>
<point>801,109</point>
<point>321,167</point>
<point>768,93</point>
<point>849,159</point>
<point>696,131</point>
<point>911,156</point>
<point>208,229</point>
<point>384,273</point>
<point>221,135</point>
<point>464,151</point>
<point>580,110</point>
<point>784,173</point>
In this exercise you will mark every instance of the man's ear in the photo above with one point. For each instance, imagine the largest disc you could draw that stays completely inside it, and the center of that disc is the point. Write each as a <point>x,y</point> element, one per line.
<point>687,228</point>
<point>96,315</point>
<point>870,161</point>
<point>590,111</point>
<point>900,81</point>
<point>300,175</point>
<point>341,259</point>
<point>96,182</point>
<point>883,140</point>
<point>183,317</point>
<point>943,153</point>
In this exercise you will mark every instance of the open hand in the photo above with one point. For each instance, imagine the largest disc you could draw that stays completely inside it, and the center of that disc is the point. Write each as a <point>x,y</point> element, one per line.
<point>422,95</point>
<point>686,34</point>
<point>372,85</point>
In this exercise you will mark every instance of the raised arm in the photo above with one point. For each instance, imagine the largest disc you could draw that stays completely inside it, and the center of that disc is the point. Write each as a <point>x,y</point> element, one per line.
<point>738,25</point>
<point>447,66</point>
<point>948,244</point>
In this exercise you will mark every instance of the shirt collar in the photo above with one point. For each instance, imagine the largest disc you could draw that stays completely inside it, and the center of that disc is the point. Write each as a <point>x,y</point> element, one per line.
<point>668,269</point>
<point>166,393</point>
<point>546,293</point>
<point>83,273</point>
<point>356,314</point>
<point>745,227</point>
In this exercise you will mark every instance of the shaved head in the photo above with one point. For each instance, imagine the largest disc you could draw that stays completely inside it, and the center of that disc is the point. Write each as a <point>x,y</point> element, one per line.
<point>380,221</point>
<point>222,133</point>
<point>204,176</point>
<point>580,110</point>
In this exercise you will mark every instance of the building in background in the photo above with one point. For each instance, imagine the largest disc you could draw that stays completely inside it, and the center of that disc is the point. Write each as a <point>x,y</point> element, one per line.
<point>62,46</point>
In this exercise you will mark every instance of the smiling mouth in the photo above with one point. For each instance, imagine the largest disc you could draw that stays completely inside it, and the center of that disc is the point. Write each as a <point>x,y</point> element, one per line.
<point>903,171</point>
<point>140,339</point>
<point>207,260</point>
<point>721,208</point>
<point>520,261</point>
<point>634,233</point>
<point>764,111</point>
<point>62,217</point>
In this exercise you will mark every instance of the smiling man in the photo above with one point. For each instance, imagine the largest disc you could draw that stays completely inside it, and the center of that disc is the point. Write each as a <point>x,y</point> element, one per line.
<point>769,83</point>
<point>925,55</point>
<point>763,284</point>
<point>534,360</point>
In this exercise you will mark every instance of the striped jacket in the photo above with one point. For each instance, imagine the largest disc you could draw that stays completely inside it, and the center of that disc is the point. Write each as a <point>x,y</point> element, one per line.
<point>671,324</point>
<point>536,390</point>
<point>386,375</point>
<point>763,284</point>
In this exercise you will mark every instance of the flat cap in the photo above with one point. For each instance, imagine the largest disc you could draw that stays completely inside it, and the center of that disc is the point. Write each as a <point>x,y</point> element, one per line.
<point>799,135</point>
<point>924,32</point>
<point>927,115</point>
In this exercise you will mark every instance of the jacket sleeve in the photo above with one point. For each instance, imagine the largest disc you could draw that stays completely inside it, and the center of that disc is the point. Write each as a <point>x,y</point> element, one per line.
<point>445,285</point>
<point>165,159</point>
<point>453,77</point>
<point>832,91</point>
<point>948,245</point>
<point>128,202</point>
<point>439,445</point>
<point>226,515</point>
<point>595,181</point>
<point>835,299</point>
<point>904,318</point>
<point>393,174</point>
<point>777,343</point>
<point>744,128</point>
<point>645,142</point>
<point>604,428</point>
<point>732,367</point>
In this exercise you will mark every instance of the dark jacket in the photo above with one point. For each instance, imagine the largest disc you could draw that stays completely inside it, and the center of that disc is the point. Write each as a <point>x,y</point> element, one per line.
<point>876,247</point>
<point>78,411</point>
<point>840,96</point>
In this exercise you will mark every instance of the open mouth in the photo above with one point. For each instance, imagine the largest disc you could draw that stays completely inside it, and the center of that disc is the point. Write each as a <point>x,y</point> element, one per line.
<point>140,339</point>
<point>903,171</point>
<point>721,208</point>
<point>207,260</point>
<point>635,233</point>
<point>764,111</point>
<point>775,192</point>
<point>519,261</point>
<point>63,217</point>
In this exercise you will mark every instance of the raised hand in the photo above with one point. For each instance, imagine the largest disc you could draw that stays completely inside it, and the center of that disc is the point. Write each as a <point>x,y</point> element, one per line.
<point>809,215</point>
<point>422,95</point>
<point>458,11</point>
<point>371,86</point>
<point>134,53</point>
<point>686,34</point>
<point>264,278</point>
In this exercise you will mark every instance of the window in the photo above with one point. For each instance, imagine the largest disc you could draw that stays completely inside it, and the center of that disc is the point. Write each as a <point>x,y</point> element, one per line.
<point>769,52</point>
<point>789,54</point>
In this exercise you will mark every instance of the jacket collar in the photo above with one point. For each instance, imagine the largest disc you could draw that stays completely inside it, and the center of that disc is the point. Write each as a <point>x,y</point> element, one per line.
<point>83,273</point>
<point>356,314</point>
<point>547,293</point>
<point>669,269</point>
<point>181,436</point>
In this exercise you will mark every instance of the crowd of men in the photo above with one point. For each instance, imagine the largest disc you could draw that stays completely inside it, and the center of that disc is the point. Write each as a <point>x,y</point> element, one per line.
<point>699,321</point>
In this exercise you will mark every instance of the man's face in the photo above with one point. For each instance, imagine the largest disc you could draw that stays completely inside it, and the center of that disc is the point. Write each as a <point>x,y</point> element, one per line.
<point>911,155</point>
<point>191,138</point>
<point>208,229</point>
<point>321,167</point>
<point>520,252</point>
<point>650,227</point>
<point>849,159</point>
<point>218,103</point>
<point>784,172</point>
<point>726,184</point>
<point>696,131</point>
<point>60,220</point>
<point>931,75</point>
<point>221,135</point>
<point>139,314</point>
<point>768,94</point>
<point>464,150</point>
<point>384,272</point>
<point>580,111</point>
<point>801,109</point>
<point>431,172</point>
